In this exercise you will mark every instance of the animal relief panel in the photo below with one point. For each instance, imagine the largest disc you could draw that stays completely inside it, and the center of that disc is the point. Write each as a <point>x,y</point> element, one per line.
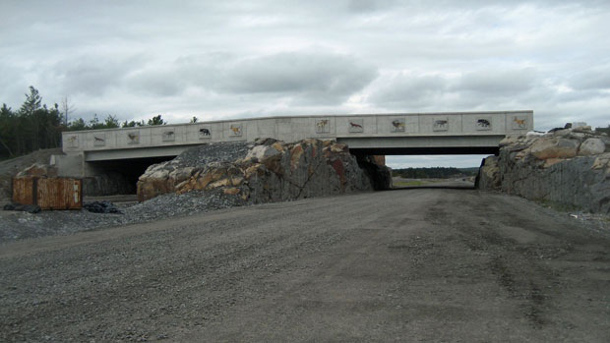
<point>134,137</point>
<point>356,125</point>
<point>398,125</point>
<point>72,141</point>
<point>440,124</point>
<point>236,130</point>
<point>99,139</point>
<point>169,136</point>
<point>322,126</point>
<point>483,124</point>
<point>519,123</point>
<point>205,132</point>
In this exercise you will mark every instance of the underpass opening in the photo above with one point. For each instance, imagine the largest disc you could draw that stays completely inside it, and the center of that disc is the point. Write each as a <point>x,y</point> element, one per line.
<point>120,176</point>
<point>453,167</point>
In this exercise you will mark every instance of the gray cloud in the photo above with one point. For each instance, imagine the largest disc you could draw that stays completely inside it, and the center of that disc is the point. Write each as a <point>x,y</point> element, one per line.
<point>365,6</point>
<point>327,78</point>
<point>163,83</point>
<point>408,91</point>
<point>596,78</point>
<point>323,78</point>
<point>93,75</point>
<point>496,82</point>
<point>480,89</point>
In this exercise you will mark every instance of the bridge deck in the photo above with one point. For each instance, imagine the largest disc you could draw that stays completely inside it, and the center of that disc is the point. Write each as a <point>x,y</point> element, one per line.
<point>404,132</point>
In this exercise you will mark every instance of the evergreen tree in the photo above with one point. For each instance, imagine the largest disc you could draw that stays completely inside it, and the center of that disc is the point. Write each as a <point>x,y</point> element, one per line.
<point>156,120</point>
<point>32,102</point>
<point>7,131</point>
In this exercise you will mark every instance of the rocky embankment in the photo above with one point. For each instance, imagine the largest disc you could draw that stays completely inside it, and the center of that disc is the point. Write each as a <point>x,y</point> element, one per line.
<point>265,171</point>
<point>569,168</point>
<point>213,177</point>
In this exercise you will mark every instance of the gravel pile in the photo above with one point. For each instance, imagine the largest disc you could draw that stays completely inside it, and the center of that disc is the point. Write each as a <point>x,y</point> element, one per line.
<point>21,225</point>
<point>215,152</point>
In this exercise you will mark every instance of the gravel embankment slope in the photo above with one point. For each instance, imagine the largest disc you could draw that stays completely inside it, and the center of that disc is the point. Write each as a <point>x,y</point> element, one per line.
<point>409,265</point>
<point>16,225</point>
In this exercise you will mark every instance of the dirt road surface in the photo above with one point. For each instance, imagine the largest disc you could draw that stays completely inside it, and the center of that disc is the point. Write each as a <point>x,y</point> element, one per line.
<point>443,265</point>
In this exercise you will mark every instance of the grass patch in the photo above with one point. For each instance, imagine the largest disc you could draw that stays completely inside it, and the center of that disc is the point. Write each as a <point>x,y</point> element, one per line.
<point>414,183</point>
<point>408,183</point>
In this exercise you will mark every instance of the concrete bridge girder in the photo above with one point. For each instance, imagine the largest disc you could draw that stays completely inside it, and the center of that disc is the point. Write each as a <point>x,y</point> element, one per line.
<point>376,134</point>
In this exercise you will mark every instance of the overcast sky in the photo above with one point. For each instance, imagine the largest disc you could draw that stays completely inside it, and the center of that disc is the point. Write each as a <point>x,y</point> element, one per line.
<point>233,59</point>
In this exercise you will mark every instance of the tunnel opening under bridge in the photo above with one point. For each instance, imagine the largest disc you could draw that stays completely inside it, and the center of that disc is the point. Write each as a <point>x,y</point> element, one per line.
<point>448,167</point>
<point>118,176</point>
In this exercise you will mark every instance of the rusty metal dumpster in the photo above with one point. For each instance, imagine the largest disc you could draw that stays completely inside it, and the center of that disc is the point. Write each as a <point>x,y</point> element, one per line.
<point>49,193</point>
<point>24,190</point>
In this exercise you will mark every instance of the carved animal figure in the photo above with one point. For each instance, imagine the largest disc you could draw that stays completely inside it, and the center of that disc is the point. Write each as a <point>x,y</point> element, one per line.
<point>168,133</point>
<point>236,130</point>
<point>321,124</point>
<point>204,132</point>
<point>398,124</point>
<point>72,139</point>
<point>519,122</point>
<point>483,123</point>
<point>354,125</point>
<point>98,139</point>
<point>440,123</point>
<point>132,136</point>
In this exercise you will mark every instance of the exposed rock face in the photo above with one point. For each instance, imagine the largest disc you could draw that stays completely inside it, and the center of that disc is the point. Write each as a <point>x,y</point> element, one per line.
<point>374,167</point>
<point>569,167</point>
<point>266,171</point>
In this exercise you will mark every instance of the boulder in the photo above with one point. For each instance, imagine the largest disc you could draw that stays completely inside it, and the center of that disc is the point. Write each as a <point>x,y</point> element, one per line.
<point>554,148</point>
<point>592,146</point>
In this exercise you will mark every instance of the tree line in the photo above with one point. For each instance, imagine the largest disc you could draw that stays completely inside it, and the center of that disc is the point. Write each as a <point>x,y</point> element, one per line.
<point>35,126</point>
<point>433,173</point>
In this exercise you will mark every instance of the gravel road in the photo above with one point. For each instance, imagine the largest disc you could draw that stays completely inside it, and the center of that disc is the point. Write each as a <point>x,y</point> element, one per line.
<point>396,266</point>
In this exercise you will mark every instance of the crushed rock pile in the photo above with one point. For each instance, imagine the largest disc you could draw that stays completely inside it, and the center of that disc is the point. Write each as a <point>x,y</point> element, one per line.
<point>16,225</point>
<point>568,167</point>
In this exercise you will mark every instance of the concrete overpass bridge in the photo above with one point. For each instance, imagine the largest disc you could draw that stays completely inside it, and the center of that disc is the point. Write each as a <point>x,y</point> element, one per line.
<point>372,134</point>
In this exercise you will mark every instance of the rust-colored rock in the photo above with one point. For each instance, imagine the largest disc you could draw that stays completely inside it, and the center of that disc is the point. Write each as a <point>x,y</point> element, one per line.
<point>270,171</point>
<point>231,191</point>
<point>295,156</point>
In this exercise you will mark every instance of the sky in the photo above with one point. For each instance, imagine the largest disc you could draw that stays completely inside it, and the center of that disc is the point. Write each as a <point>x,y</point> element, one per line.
<point>228,59</point>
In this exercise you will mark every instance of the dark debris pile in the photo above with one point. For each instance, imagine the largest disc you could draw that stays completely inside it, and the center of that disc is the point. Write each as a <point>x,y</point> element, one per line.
<point>101,207</point>
<point>19,207</point>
